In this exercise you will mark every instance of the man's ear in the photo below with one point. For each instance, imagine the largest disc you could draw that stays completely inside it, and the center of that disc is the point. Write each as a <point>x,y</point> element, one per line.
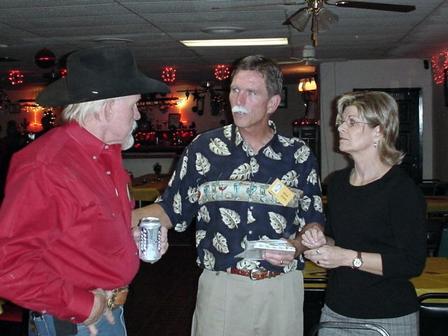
<point>273,103</point>
<point>106,111</point>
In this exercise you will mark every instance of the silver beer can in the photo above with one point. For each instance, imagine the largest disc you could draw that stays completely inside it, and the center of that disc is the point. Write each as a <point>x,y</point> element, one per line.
<point>149,244</point>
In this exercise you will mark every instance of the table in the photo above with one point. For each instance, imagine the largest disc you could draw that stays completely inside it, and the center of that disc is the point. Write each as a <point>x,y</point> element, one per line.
<point>148,187</point>
<point>434,278</point>
<point>438,204</point>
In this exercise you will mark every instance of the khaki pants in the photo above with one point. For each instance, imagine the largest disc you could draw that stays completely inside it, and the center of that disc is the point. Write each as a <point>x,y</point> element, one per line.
<point>234,305</point>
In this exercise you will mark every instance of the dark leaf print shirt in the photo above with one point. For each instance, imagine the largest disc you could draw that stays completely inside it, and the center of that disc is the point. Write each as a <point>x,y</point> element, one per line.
<point>223,183</point>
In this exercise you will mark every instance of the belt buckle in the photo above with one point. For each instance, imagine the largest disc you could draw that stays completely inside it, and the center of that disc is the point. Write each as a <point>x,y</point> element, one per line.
<point>111,300</point>
<point>253,273</point>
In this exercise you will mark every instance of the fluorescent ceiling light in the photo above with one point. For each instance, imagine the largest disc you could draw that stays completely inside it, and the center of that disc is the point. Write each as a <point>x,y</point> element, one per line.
<point>236,42</point>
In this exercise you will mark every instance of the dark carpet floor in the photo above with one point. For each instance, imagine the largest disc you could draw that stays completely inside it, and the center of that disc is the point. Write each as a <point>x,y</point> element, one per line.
<point>162,296</point>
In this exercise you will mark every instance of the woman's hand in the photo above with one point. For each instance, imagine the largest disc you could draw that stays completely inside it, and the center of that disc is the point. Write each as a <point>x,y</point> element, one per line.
<point>313,238</point>
<point>330,256</point>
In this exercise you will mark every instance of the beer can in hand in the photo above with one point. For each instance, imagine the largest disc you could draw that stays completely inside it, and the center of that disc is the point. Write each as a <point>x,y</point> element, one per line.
<point>149,244</point>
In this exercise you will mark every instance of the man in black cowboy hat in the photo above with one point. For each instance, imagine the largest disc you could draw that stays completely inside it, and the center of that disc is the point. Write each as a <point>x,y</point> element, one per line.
<point>66,248</point>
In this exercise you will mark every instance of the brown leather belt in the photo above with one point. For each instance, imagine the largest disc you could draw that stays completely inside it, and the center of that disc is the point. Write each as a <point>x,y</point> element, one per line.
<point>255,274</point>
<point>118,297</point>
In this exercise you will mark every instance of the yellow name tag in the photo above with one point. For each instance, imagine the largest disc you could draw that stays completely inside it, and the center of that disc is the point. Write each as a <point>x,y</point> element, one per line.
<point>280,192</point>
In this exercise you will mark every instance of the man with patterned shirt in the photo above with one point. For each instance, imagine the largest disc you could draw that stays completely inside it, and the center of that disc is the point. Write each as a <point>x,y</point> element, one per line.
<point>245,182</point>
<point>66,248</point>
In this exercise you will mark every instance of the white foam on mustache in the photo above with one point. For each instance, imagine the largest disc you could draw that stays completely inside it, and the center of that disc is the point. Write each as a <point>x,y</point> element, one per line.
<point>239,109</point>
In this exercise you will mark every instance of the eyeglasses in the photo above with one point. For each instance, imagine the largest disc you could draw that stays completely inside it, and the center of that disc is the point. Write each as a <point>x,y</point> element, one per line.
<point>350,121</point>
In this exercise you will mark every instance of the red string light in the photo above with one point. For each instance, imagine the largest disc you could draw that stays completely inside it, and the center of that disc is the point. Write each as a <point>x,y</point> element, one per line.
<point>222,72</point>
<point>62,72</point>
<point>169,74</point>
<point>15,77</point>
<point>439,66</point>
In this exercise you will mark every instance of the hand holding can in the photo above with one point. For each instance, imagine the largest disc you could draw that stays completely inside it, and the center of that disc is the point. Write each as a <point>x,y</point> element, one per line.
<point>149,243</point>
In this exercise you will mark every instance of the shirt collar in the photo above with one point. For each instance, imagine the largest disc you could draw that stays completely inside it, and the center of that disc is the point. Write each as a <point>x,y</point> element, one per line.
<point>91,144</point>
<point>239,140</point>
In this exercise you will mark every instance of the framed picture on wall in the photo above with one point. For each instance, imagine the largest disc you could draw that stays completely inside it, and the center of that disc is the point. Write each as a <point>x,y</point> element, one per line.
<point>284,101</point>
<point>173,120</point>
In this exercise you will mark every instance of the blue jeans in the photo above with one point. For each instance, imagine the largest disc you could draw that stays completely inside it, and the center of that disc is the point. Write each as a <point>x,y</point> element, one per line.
<point>45,326</point>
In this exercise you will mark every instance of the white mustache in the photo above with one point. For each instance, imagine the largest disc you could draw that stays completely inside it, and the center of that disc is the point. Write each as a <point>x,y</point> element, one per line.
<point>239,109</point>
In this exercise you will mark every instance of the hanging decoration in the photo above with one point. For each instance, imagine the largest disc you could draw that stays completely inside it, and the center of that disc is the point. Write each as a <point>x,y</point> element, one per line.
<point>439,67</point>
<point>222,72</point>
<point>45,58</point>
<point>15,77</point>
<point>169,74</point>
<point>62,72</point>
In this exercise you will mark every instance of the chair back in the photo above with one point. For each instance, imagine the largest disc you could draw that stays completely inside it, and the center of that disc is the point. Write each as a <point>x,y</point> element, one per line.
<point>433,314</point>
<point>350,325</point>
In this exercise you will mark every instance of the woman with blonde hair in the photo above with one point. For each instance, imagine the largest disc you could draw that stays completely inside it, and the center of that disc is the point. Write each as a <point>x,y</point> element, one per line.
<point>374,236</point>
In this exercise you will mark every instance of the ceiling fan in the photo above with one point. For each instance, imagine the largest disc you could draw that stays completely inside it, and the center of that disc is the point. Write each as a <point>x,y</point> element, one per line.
<point>321,18</point>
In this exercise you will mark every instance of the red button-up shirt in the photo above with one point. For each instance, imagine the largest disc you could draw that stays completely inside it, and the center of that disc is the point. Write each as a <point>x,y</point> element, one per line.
<point>65,224</point>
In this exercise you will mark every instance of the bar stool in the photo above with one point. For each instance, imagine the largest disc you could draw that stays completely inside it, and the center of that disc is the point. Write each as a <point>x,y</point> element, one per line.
<point>433,314</point>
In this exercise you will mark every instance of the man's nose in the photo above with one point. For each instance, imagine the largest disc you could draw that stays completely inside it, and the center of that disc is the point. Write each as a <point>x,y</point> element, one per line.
<point>137,114</point>
<point>241,98</point>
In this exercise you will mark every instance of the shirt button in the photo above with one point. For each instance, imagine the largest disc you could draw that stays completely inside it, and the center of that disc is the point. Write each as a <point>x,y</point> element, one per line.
<point>106,147</point>
<point>250,231</point>
<point>108,172</point>
<point>114,214</point>
<point>72,318</point>
<point>251,207</point>
<point>94,157</point>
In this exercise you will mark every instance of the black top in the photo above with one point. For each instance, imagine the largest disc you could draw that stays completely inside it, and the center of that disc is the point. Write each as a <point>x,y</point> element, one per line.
<point>386,216</point>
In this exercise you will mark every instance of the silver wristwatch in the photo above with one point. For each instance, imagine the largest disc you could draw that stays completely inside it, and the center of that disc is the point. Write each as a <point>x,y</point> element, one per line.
<point>357,262</point>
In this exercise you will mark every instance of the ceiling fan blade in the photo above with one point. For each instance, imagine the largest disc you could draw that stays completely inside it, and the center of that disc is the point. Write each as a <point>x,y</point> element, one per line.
<point>299,19</point>
<point>293,3</point>
<point>373,5</point>
<point>325,18</point>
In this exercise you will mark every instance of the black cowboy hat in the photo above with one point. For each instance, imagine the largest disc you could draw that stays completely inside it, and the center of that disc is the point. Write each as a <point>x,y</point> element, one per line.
<point>99,73</point>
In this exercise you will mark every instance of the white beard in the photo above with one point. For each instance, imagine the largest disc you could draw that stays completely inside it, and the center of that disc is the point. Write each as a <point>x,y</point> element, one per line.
<point>129,141</point>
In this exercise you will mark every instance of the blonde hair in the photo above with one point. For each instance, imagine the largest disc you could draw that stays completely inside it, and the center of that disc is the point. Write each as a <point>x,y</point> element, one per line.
<point>377,109</point>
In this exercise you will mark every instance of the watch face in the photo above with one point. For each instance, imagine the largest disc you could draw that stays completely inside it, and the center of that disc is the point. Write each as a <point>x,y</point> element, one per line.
<point>357,262</point>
